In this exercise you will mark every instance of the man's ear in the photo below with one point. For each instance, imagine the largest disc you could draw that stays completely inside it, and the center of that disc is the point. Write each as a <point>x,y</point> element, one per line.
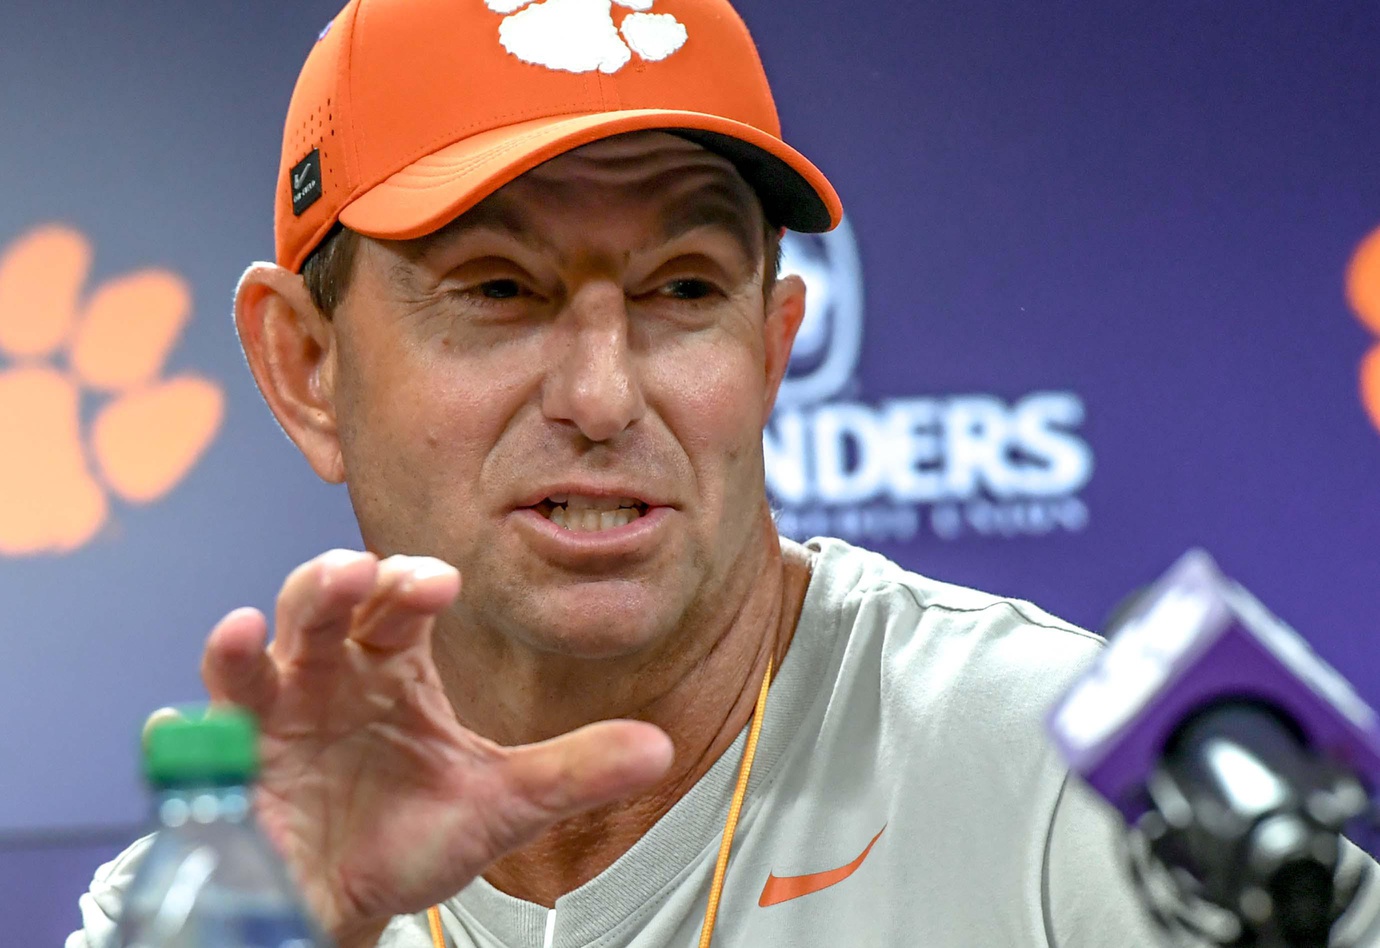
<point>291,350</point>
<point>785,313</point>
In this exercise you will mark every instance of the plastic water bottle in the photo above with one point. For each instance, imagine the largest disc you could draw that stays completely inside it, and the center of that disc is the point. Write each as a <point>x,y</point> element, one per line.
<point>210,879</point>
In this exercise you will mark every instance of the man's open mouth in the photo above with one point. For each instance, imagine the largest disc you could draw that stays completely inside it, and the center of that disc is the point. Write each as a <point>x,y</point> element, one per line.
<point>590,514</point>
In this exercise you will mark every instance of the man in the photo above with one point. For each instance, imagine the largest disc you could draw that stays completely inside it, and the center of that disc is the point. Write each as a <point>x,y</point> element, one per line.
<point>526,308</point>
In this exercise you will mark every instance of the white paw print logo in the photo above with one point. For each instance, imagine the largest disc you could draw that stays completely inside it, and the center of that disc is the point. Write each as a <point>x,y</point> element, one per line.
<point>579,35</point>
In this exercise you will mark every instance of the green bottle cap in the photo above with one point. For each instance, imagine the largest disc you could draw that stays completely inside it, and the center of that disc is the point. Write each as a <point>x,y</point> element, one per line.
<point>217,746</point>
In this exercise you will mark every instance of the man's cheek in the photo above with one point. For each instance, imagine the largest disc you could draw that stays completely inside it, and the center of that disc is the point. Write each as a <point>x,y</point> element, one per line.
<point>714,383</point>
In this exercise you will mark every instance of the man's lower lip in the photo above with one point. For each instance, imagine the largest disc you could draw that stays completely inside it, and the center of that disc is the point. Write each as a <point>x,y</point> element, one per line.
<point>625,539</point>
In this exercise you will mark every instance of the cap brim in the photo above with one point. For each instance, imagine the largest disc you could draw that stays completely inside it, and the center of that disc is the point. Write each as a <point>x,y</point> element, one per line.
<point>436,189</point>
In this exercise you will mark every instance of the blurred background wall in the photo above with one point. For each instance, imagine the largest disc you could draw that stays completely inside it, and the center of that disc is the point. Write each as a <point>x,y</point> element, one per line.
<point>1091,309</point>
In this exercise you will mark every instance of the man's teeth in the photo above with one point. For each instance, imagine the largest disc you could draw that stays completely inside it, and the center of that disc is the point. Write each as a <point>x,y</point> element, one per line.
<point>589,520</point>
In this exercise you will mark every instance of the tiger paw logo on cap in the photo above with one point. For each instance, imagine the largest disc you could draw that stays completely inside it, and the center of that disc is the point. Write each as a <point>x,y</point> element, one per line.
<point>65,349</point>
<point>580,36</point>
<point>1363,291</point>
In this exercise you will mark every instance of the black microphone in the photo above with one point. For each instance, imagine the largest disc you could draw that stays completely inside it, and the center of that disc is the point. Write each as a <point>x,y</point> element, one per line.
<point>1237,754</point>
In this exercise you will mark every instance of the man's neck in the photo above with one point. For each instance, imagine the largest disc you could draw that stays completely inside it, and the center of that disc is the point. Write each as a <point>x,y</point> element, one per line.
<point>702,705</point>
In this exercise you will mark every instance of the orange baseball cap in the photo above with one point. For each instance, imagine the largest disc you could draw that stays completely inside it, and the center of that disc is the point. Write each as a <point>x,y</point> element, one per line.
<point>409,112</point>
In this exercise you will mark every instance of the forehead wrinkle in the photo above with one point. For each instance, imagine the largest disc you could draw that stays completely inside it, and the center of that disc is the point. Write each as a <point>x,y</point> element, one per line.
<point>663,171</point>
<point>631,157</point>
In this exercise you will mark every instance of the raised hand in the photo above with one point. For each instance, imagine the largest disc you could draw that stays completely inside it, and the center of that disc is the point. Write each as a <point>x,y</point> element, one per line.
<point>381,803</point>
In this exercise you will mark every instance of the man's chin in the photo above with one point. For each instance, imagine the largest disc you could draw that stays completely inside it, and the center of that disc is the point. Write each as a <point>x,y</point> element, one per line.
<point>600,620</point>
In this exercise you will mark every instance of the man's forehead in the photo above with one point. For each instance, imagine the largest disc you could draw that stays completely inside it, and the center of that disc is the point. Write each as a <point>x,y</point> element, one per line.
<point>681,184</point>
<point>634,146</point>
<point>652,165</point>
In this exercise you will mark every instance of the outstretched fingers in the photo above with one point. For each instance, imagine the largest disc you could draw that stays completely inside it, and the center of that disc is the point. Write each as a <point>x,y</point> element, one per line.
<point>339,597</point>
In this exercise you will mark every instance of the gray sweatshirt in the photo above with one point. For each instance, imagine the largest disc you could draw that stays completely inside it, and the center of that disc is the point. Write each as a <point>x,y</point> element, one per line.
<point>903,788</point>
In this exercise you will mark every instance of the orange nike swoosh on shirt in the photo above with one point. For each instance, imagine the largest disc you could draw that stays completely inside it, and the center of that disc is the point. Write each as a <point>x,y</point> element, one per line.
<point>784,888</point>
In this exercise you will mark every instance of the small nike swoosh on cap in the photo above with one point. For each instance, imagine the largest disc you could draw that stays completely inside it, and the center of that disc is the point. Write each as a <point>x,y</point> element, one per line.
<point>784,888</point>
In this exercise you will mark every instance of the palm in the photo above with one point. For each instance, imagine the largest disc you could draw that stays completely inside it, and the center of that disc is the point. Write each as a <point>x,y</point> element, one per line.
<point>379,800</point>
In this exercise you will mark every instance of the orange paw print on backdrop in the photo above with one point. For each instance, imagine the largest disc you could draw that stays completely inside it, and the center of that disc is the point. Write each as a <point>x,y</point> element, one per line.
<point>1363,290</point>
<point>59,347</point>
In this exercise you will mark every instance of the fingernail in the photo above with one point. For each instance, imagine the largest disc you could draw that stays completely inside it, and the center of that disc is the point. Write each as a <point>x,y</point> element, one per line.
<point>429,567</point>
<point>394,571</point>
<point>340,559</point>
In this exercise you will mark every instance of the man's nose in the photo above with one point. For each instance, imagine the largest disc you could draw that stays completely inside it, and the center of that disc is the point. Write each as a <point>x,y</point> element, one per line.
<point>594,382</point>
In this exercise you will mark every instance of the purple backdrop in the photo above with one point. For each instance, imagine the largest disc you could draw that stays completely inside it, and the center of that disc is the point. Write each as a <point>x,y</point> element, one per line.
<point>1090,313</point>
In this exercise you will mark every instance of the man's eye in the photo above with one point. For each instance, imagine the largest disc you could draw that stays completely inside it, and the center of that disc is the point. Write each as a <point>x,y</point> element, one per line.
<point>688,289</point>
<point>501,289</point>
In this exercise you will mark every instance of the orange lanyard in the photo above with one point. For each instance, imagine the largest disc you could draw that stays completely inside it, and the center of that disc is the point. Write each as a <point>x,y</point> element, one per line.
<point>716,888</point>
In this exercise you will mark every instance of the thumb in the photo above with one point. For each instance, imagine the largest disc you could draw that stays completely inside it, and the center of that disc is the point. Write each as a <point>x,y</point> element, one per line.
<point>598,764</point>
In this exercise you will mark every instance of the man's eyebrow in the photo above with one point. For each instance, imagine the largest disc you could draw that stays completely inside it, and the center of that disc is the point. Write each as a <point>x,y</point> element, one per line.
<point>494,213</point>
<point>718,206</point>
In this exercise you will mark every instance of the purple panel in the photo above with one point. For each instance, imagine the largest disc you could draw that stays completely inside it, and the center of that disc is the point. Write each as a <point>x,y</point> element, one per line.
<point>1235,665</point>
<point>40,883</point>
